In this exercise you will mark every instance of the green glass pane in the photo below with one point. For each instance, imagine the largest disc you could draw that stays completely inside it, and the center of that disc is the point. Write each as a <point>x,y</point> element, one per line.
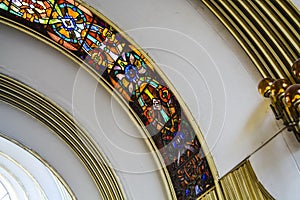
<point>3,6</point>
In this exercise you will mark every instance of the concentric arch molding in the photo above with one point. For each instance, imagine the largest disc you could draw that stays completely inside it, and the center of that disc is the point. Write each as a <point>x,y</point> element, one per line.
<point>10,148</point>
<point>97,45</point>
<point>65,127</point>
<point>268,31</point>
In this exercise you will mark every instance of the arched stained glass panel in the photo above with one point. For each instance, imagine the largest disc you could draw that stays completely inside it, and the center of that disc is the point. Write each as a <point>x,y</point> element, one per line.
<point>112,56</point>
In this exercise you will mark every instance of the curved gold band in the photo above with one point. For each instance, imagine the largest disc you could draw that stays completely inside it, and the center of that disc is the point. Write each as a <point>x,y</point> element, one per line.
<point>268,31</point>
<point>62,124</point>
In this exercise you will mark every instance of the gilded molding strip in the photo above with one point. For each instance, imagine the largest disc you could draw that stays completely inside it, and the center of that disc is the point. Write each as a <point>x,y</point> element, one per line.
<point>242,183</point>
<point>268,31</point>
<point>119,64</point>
<point>62,124</point>
<point>40,159</point>
<point>210,195</point>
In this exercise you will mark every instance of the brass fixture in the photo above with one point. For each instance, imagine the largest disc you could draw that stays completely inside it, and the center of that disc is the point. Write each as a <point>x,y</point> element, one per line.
<point>285,99</point>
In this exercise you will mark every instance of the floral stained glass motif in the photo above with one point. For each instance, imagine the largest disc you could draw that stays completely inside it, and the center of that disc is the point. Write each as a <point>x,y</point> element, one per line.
<point>129,73</point>
<point>69,24</point>
<point>94,40</point>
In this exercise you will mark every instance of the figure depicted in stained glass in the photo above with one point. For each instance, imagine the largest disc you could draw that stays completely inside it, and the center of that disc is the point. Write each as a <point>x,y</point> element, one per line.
<point>160,110</point>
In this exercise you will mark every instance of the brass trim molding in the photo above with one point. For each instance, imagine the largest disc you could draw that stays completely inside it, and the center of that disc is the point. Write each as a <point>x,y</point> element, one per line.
<point>211,195</point>
<point>65,127</point>
<point>43,161</point>
<point>242,183</point>
<point>268,31</point>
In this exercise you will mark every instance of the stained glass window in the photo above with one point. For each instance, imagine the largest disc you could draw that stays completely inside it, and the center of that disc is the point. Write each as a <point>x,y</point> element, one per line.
<point>84,34</point>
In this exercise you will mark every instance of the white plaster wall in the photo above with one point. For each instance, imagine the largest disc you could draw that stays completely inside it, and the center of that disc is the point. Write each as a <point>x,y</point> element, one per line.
<point>277,166</point>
